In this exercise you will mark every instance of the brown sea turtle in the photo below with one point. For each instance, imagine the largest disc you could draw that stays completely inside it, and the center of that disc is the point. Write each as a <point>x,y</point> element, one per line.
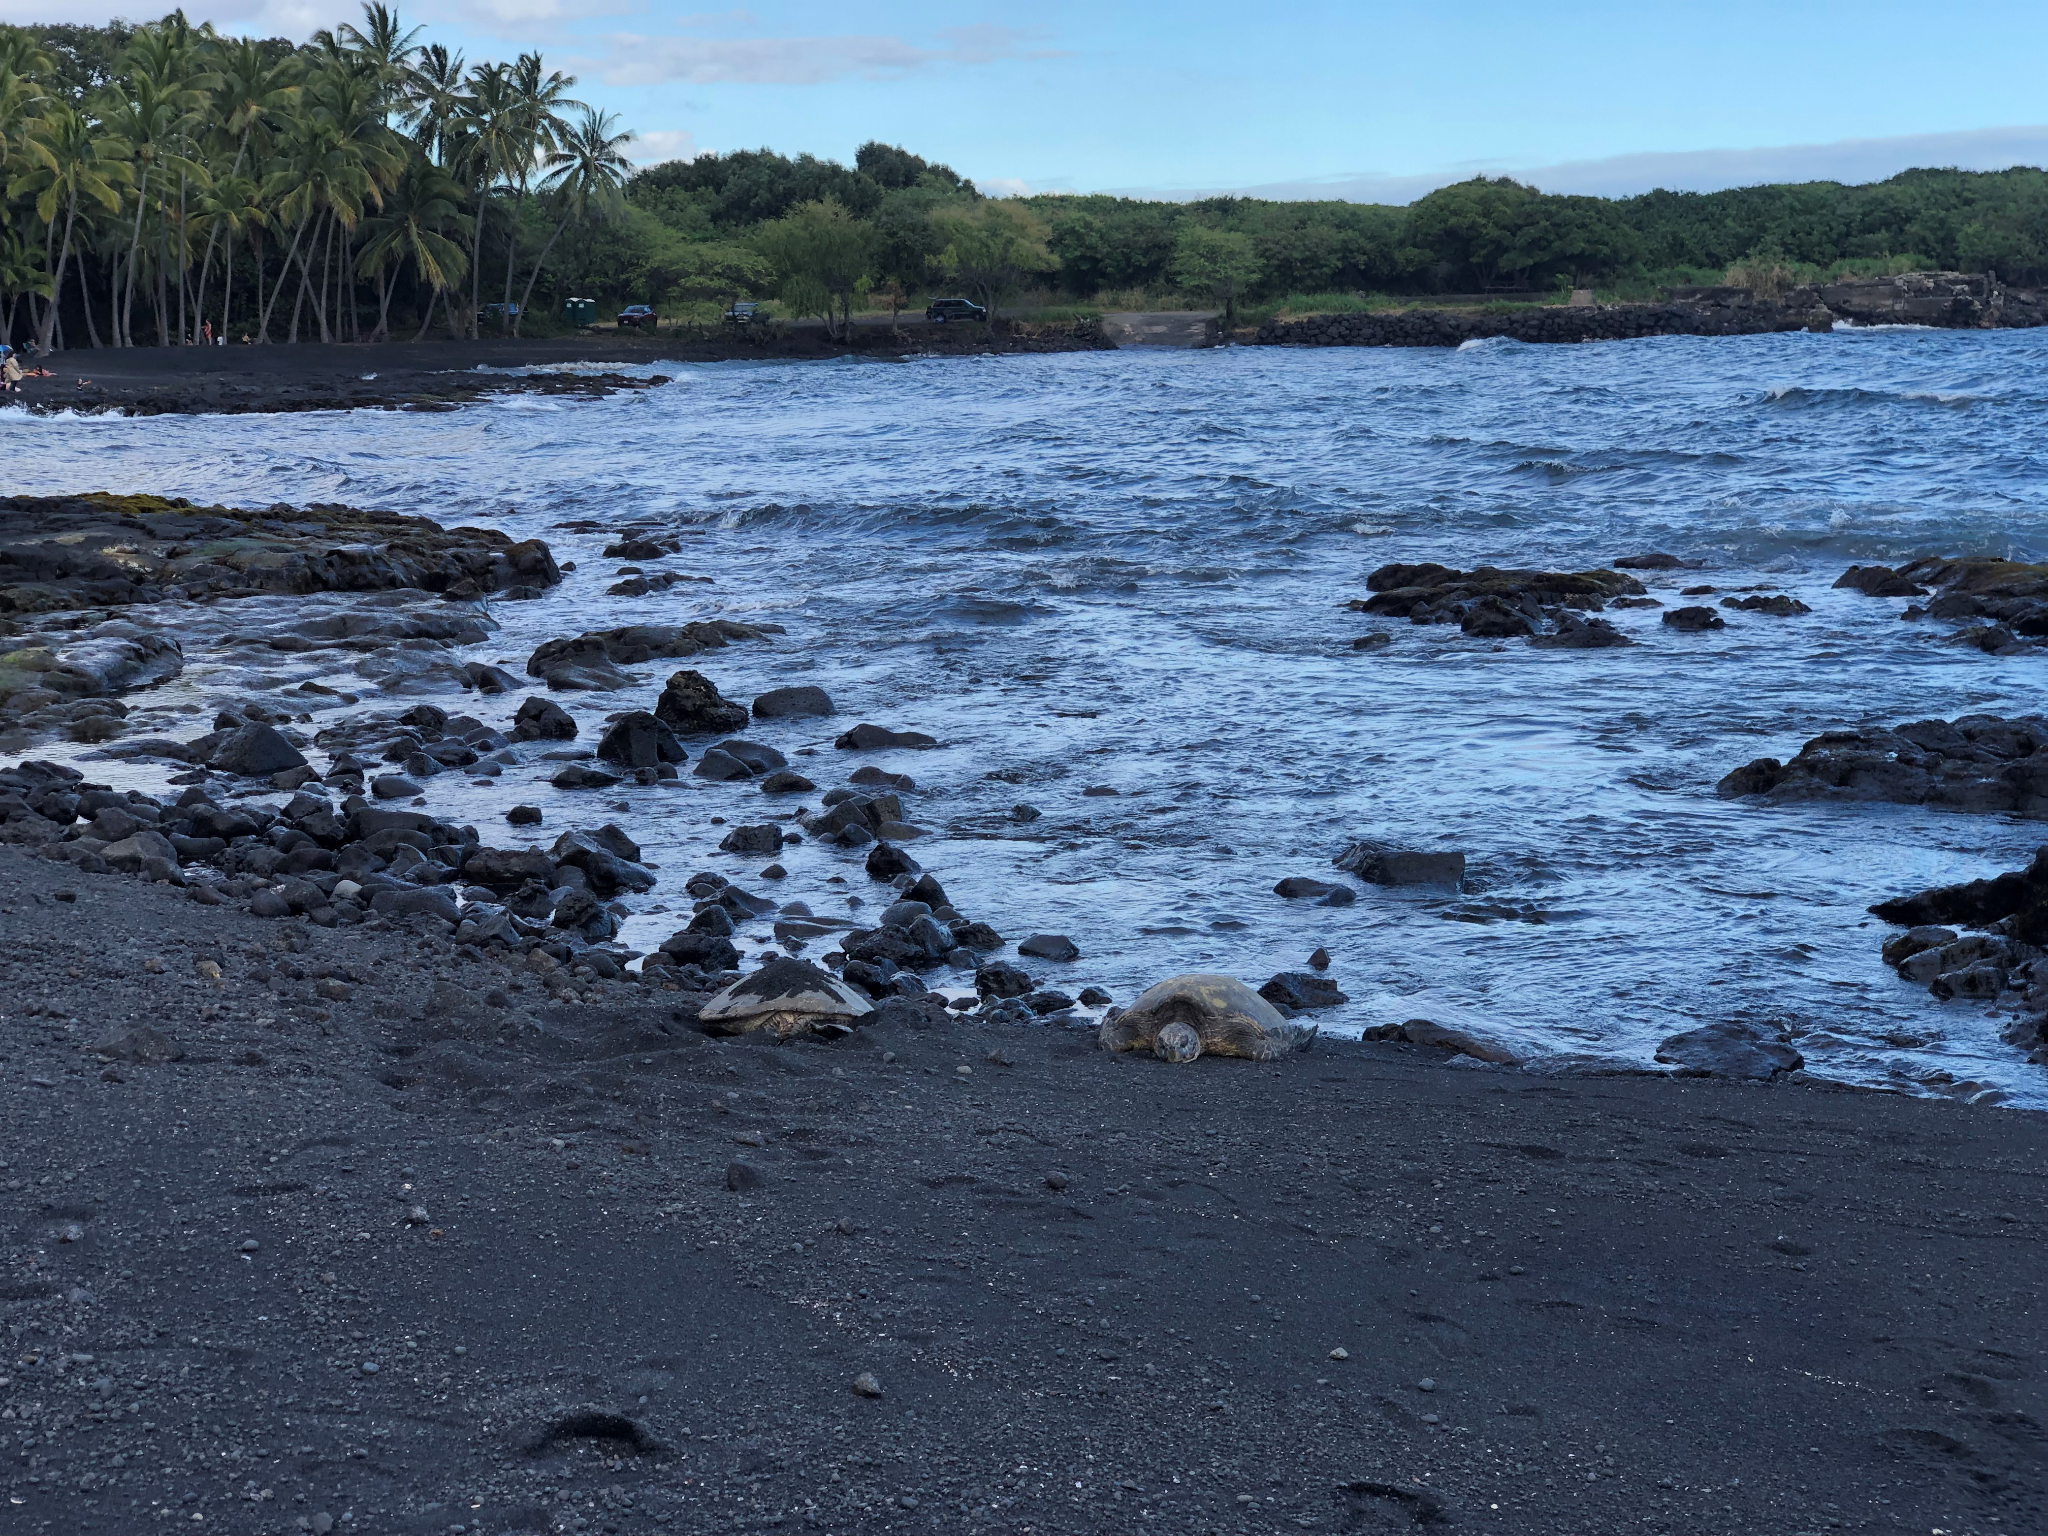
<point>1188,1016</point>
<point>787,996</point>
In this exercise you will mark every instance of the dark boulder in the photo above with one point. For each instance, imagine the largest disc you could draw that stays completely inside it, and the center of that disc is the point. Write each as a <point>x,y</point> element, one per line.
<point>802,700</point>
<point>1302,991</point>
<point>886,861</point>
<point>1385,864</point>
<point>765,838</point>
<point>1322,892</point>
<point>691,705</point>
<point>542,719</point>
<point>255,751</point>
<point>784,781</point>
<point>640,740</point>
<point>874,738</point>
<point>583,776</point>
<point>998,978</point>
<point>1050,946</point>
<point>1731,1049</point>
<point>1693,618</point>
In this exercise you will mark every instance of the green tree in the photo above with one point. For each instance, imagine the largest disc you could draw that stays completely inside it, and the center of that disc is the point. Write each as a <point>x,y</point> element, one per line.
<point>823,258</point>
<point>993,249</point>
<point>1218,263</point>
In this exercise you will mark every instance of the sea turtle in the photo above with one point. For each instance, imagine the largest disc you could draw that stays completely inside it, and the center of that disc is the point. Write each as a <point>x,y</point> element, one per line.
<point>787,996</point>
<point>1188,1016</point>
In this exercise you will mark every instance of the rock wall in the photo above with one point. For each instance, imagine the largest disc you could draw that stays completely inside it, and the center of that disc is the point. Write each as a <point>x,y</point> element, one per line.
<point>1948,300</point>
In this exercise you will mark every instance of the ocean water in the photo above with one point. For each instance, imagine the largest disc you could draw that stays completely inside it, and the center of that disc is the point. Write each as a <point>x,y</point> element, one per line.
<point>1130,569</point>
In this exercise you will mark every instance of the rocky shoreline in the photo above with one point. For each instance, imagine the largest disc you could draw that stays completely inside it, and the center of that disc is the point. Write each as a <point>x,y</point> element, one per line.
<point>359,1178</point>
<point>1943,300</point>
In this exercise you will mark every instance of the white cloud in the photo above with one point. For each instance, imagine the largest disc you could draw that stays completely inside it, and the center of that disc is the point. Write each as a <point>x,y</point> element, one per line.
<point>658,144</point>
<point>642,60</point>
<point>1002,186</point>
<point>1700,170</point>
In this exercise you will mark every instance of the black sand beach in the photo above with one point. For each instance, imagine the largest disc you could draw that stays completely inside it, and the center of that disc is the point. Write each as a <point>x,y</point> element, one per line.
<point>409,1239</point>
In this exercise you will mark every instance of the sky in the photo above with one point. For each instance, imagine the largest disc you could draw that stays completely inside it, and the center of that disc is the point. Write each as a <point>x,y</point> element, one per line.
<point>1374,102</point>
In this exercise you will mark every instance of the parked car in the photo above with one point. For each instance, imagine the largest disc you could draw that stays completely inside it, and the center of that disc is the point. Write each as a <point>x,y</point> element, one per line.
<point>501,311</point>
<point>638,317</point>
<point>746,313</point>
<point>943,310</point>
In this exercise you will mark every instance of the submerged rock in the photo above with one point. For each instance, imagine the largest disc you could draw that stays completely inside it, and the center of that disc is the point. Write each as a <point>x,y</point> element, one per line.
<point>1694,618</point>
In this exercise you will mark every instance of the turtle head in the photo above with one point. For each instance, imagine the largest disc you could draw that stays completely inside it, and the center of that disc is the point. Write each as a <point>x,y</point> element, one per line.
<point>1177,1042</point>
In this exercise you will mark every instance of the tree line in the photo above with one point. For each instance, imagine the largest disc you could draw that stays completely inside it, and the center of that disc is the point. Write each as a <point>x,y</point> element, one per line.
<point>158,181</point>
<point>161,182</point>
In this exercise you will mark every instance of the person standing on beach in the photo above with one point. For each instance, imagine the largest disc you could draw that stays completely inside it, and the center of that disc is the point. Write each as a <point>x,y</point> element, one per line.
<point>206,330</point>
<point>10,370</point>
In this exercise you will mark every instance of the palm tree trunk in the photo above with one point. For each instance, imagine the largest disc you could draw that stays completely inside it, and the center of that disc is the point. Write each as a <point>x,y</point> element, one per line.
<point>389,278</point>
<point>184,336</point>
<point>421,333</point>
<point>227,284</point>
<point>263,333</point>
<point>134,249</point>
<point>534,277</point>
<point>57,284</point>
<point>476,264</point>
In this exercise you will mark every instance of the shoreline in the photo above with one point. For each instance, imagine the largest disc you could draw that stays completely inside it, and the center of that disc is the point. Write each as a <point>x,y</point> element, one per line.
<point>317,1222</point>
<point>440,375</point>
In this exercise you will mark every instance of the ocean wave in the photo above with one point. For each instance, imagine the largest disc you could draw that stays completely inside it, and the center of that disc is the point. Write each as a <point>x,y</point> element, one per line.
<point>1810,396</point>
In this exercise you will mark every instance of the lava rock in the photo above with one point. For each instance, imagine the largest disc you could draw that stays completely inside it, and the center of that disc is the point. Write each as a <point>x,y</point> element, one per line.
<point>886,861</point>
<point>1050,946</point>
<point>782,703</point>
<point>640,740</point>
<point>998,978</point>
<point>1302,991</point>
<point>691,705</point>
<point>1385,864</point>
<point>254,751</point>
<point>1322,892</point>
<point>1731,1049</point>
<point>581,776</point>
<point>765,838</point>
<point>540,719</point>
<point>524,816</point>
<point>1981,763</point>
<point>784,781</point>
<point>873,738</point>
<point>1693,618</point>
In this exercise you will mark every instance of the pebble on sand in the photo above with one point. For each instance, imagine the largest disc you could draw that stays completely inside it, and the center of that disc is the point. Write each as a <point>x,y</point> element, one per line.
<point>865,1385</point>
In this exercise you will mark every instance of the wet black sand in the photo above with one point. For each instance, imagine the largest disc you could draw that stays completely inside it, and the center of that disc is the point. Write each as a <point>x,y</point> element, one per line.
<point>1097,1294</point>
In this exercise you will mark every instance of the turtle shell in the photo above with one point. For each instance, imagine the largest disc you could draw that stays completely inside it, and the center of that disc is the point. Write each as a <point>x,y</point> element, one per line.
<point>784,995</point>
<point>1229,1018</point>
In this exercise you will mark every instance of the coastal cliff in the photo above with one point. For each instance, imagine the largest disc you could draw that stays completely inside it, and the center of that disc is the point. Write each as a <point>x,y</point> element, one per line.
<point>1943,300</point>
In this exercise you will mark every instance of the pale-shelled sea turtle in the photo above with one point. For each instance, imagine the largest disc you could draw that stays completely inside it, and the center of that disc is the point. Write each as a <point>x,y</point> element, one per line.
<point>787,996</point>
<point>1188,1016</point>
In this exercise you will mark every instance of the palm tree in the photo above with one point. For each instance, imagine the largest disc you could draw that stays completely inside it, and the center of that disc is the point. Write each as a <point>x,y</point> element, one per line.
<point>250,103</point>
<point>539,129</point>
<point>341,160</point>
<point>587,172</point>
<point>488,142</point>
<point>81,166</point>
<point>426,201</point>
<point>233,207</point>
<point>433,97</point>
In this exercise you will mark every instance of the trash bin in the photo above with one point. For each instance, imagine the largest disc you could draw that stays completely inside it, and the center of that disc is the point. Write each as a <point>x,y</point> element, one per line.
<point>580,311</point>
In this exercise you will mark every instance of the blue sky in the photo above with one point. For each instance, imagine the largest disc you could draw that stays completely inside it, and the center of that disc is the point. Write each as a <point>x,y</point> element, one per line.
<point>1379,100</point>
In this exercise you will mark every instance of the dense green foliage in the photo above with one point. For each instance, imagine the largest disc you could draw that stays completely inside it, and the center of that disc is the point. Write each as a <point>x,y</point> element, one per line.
<point>156,180</point>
